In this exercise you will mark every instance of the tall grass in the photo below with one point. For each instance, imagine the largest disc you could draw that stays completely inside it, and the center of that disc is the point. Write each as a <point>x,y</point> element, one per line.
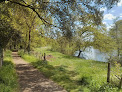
<point>74,74</point>
<point>8,76</point>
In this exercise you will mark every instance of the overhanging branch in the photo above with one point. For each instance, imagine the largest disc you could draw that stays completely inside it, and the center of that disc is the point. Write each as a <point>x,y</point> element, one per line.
<point>33,9</point>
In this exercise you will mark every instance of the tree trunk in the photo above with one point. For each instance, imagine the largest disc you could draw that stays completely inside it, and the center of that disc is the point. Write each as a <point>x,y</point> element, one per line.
<point>25,49</point>
<point>29,41</point>
<point>1,56</point>
<point>108,74</point>
<point>79,53</point>
<point>118,54</point>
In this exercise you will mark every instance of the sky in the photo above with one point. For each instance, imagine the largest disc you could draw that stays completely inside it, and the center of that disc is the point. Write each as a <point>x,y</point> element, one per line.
<point>110,15</point>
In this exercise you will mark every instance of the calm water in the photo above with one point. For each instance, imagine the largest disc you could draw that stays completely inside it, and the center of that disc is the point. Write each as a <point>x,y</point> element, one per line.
<point>93,54</point>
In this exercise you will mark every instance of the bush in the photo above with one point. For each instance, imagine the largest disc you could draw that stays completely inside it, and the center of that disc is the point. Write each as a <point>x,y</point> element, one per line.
<point>21,52</point>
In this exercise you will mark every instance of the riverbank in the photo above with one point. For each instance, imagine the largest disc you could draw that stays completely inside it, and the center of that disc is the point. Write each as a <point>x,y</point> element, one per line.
<point>72,73</point>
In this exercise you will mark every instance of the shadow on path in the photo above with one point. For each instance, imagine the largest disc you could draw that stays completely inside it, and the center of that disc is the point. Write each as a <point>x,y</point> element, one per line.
<point>31,80</point>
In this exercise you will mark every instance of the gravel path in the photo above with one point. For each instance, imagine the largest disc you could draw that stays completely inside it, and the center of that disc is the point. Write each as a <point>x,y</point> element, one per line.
<point>31,80</point>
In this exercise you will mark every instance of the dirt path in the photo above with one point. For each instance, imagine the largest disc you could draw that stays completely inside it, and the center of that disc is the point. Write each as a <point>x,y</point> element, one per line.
<point>31,80</point>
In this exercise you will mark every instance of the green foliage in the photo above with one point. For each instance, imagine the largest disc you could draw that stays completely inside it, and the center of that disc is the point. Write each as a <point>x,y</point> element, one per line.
<point>27,57</point>
<point>65,15</point>
<point>72,73</point>
<point>7,54</point>
<point>116,35</point>
<point>105,88</point>
<point>95,36</point>
<point>8,76</point>
<point>64,46</point>
<point>89,35</point>
<point>116,74</point>
<point>85,80</point>
<point>6,32</point>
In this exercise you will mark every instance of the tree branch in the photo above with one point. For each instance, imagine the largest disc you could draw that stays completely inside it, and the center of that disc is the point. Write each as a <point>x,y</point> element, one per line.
<point>33,9</point>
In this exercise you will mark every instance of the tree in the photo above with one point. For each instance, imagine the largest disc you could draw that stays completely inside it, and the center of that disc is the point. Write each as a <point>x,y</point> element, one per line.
<point>26,22</point>
<point>64,12</point>
<point>30,25</point>
<point>95,36</point>
<point>6,32</point>
<point>116,34</point>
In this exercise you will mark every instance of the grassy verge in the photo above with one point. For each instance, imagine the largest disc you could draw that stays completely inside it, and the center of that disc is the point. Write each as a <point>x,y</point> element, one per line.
<point>74,74</point>
<point>8,77</point>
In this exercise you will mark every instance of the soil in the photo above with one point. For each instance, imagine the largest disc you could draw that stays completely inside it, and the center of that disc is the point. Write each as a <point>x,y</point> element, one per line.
<point>49,57</point>
<point>31,80</point>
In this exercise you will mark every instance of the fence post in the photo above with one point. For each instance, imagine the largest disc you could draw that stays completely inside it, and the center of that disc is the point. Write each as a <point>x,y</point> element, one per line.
<point>44,56</point>
<point>108,73</point>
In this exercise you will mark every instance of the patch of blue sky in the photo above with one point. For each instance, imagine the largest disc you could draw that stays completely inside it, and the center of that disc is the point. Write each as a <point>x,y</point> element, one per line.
<point>113,13</point>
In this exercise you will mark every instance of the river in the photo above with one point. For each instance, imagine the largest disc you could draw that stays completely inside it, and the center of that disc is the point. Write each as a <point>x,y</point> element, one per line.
<point>93,54</point>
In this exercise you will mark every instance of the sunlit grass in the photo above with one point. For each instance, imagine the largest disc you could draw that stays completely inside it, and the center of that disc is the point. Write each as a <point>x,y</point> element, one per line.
<point>74,74</point>
<point>8,76</point>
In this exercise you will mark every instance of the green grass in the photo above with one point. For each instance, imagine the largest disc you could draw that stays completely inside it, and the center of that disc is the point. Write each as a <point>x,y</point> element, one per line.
<point>8,76</point>
<point>74,74</point>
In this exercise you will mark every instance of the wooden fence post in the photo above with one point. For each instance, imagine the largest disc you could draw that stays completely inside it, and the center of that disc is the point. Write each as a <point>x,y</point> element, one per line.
<point>108,73</point>
<point>44,56</point>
